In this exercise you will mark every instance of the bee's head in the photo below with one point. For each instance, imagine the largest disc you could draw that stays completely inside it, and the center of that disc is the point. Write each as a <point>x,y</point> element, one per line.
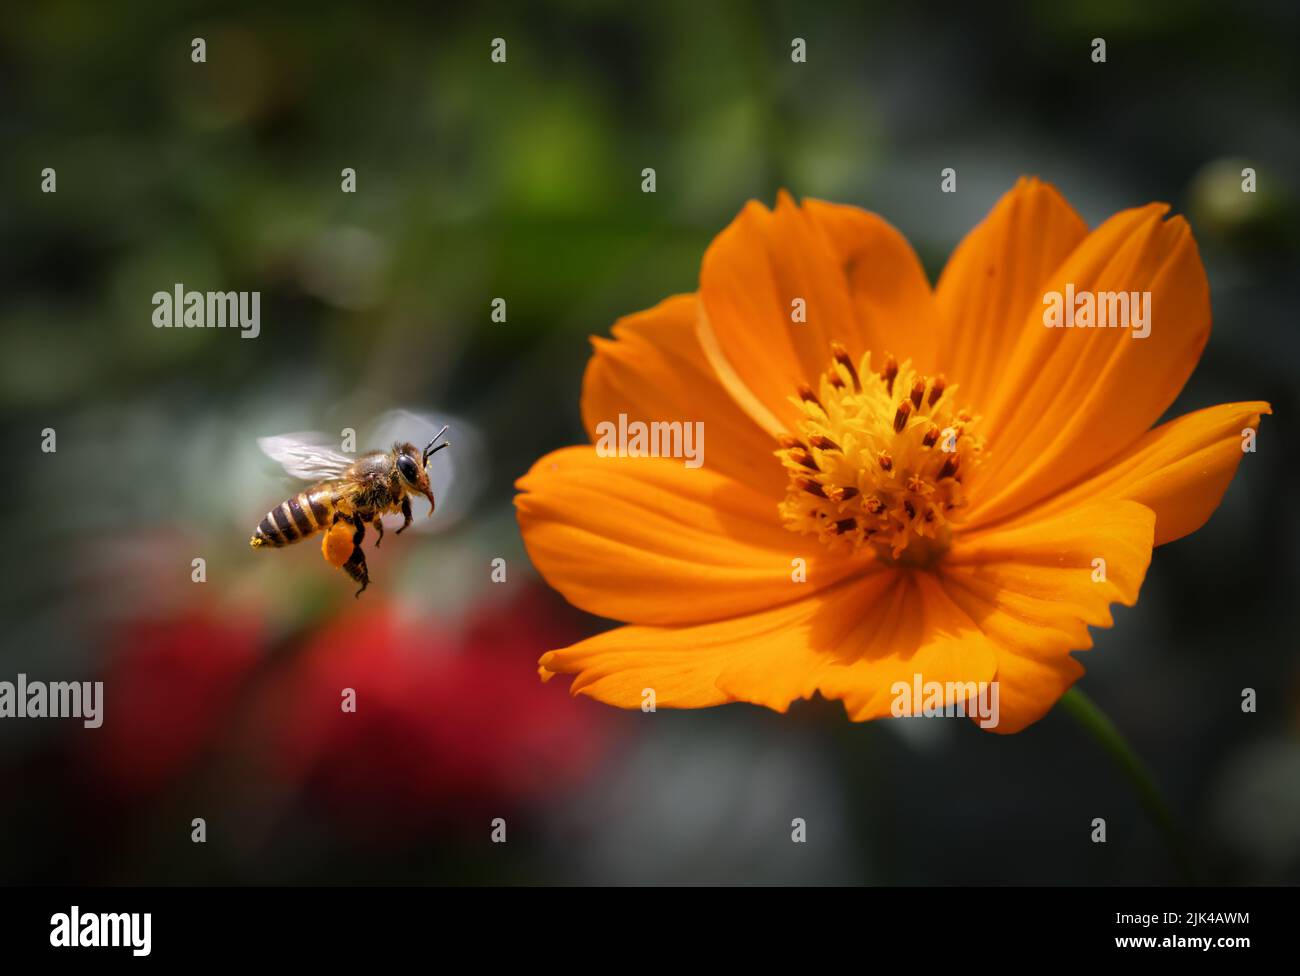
<point>411,465</point>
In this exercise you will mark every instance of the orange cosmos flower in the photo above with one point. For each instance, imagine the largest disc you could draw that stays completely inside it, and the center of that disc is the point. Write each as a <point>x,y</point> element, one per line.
<point>900,483</point>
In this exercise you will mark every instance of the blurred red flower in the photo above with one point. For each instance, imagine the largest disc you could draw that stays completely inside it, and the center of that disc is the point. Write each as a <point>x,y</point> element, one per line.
<point>169,686</point>
<point>449,721</point>
<point>443,726</point>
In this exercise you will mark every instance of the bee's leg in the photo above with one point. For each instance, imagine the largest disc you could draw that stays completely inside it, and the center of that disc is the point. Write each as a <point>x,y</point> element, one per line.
<point>406,514</point>
<point>378,524</point>
<point>356,568</point>
<point>356,564</point>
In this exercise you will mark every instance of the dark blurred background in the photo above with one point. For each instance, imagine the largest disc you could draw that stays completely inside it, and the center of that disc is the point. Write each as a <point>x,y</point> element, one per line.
<point>522,180</point>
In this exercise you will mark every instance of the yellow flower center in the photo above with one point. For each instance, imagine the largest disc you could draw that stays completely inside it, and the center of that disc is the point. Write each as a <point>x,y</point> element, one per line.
<point>879,459</point>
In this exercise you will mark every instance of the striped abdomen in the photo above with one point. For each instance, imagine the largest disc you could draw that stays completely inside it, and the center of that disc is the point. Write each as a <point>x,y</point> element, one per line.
<point>296,518</point>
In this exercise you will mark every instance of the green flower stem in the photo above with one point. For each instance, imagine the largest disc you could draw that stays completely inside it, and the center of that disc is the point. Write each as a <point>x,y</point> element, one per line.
<point>1095,722</point>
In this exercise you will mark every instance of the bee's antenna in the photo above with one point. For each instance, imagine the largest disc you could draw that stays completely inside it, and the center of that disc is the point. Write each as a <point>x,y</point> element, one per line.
<point>431,450</point>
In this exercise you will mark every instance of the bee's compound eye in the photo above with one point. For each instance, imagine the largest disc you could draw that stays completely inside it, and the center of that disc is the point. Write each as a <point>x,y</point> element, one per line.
<point>410,470</point>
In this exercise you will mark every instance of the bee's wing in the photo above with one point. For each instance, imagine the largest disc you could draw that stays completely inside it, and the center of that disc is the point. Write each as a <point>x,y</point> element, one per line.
<point>396,426</point>
<point>308,456</point>
<point>455,474</point>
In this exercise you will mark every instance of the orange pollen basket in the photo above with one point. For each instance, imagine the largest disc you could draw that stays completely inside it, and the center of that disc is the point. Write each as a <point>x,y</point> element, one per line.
<point>879,459</point>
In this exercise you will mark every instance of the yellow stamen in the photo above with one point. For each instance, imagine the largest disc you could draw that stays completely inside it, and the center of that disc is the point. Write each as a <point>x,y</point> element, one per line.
<point>936,389</point>
<point>801,456</point>
<point>887,473</point>
<point>807,395</point>
<point>843,359</point>
<point>888,373</point>
<point>810,486</point>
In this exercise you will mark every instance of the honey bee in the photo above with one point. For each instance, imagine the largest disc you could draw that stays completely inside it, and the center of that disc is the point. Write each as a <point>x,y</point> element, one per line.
<point>347,495</point>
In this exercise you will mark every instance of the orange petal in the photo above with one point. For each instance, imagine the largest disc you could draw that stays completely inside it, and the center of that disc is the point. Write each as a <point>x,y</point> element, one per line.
<point>1033,587</point>
<point>858,280</point>
<point>891,296</point>
<point>648,540</point>
<point>851,643</point>
<point>655,370</point>
<point>1072,398</point>
<point>994,279</point>
<point>1180,470</point>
